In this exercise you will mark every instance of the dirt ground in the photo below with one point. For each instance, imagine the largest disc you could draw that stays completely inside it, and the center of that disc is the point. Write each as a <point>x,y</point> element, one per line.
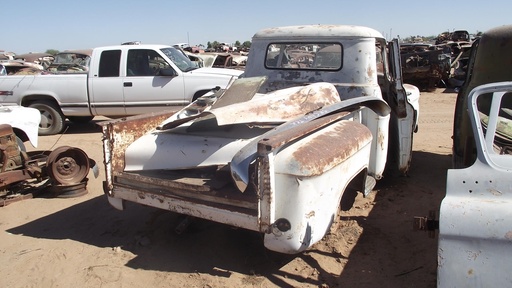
<point>83,242</point>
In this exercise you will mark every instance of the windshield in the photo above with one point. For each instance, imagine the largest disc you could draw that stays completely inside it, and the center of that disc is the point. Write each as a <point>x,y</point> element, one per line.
<point>178,58</point>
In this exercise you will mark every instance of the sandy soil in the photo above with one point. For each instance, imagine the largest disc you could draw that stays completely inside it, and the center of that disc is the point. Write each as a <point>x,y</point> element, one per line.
<point>83,242</point>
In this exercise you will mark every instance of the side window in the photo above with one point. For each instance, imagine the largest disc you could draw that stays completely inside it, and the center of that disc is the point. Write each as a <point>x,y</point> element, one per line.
<point>502,139</point>
<point>304,56</point>
<point>156,62</point>
<point>109,63</point>
<point>142,62</point>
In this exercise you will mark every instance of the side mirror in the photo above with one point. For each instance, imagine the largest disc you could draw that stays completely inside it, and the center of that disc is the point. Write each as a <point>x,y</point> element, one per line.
<point>3,72</point>
<point>167,72</point>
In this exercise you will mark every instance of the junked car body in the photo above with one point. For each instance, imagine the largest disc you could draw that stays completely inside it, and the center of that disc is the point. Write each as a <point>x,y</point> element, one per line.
<point>71,61</point>
<point>283,148</point>
<point>425,65</point>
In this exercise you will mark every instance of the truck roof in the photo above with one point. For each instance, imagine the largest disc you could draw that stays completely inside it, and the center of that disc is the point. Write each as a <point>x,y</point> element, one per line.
<point>305,31</point>
<point>141,46</point>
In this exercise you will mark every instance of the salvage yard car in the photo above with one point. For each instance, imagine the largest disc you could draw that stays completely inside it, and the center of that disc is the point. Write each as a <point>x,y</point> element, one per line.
<point>284,147</point>
<point>425,65</point>
<point>24,174</point>
<point>121,80</point>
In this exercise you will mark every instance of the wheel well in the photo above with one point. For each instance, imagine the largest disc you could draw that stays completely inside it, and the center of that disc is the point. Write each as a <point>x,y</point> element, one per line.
<point>40,98</point>
<point>20,134</point>
<point>357,184</point>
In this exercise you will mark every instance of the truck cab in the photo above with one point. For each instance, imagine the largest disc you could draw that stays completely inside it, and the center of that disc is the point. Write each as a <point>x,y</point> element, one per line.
<point>138,79</point>
<point>358,61</point>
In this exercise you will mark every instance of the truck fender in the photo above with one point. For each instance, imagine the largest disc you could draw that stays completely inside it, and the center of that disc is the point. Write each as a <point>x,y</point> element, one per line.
<point>309,178</point>
<point>239,166</point>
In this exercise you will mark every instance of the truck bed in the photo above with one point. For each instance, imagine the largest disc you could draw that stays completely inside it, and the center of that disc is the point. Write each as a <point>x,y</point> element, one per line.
<point>211,186</point>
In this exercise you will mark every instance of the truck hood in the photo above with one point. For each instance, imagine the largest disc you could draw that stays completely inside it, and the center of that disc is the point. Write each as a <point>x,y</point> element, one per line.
<point>217,71</point>
<point>23,118</point>
<point>215,135</point>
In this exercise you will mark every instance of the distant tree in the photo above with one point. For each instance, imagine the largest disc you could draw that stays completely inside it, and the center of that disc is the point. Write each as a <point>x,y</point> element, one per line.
<point>246,44</point>
<point>52,51</point>
<point>237,44</point>
<point>215,45</point>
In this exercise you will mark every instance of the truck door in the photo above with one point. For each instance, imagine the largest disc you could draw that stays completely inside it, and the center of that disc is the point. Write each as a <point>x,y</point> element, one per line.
<point>475,216</point>
<point>403,116</point>
<point>145,90</point>
<point>105,85</point>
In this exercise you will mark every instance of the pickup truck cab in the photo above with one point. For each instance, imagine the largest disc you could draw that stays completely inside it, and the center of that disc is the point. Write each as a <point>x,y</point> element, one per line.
<point>121,80</point>
<point>358,61</point>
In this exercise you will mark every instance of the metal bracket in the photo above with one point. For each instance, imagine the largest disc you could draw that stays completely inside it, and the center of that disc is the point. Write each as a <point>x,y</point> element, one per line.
<point>429,224</point>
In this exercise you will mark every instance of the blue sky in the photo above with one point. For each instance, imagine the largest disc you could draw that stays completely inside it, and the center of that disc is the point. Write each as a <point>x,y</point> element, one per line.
<point>36,26</point>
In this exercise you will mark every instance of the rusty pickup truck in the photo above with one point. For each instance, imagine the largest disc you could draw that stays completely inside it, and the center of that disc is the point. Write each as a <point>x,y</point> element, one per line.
<point>285,147</point>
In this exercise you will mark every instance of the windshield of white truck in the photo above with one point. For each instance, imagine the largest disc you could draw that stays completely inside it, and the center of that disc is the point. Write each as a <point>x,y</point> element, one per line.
<point>304,56</point>
<point>178,58</point>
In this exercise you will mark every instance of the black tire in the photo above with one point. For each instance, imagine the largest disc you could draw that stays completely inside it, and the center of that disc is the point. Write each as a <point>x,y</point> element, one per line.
<point>21,145</point>
<point>80,119</point>
<point>52,120</point>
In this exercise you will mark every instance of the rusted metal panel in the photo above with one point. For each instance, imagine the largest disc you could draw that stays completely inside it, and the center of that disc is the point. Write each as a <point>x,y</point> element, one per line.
<point>120,133</point>
<point>324,151</point>
<point>215,212</point>
<point>240,163</point>
<point>273,108</point>
<point>198,187</point>
<point>279,106</point>
<point>267,145</point>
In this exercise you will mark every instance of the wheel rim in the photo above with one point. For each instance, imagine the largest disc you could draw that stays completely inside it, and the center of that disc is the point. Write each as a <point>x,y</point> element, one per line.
<point>46,119</point>
<point>67,165</point>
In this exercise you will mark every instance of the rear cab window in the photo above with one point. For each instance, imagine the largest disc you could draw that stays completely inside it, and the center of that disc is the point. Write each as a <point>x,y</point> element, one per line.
<point>304,56</point>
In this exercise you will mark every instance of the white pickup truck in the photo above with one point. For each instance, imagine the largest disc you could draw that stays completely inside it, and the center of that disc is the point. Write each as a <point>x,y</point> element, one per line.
<point>121,80</point>
<point>318,117</point>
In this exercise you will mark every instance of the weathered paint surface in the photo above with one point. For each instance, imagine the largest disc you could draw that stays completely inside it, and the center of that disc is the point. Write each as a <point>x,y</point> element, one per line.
<point>322,153</point>
<point>475,243</point>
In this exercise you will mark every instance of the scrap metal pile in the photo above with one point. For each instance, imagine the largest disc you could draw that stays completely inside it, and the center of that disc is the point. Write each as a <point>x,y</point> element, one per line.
<point>441,64</point>
<point>62,172</point>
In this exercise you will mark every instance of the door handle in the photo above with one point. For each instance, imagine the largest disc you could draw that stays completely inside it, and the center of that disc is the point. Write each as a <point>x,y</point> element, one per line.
<point>127,84</point>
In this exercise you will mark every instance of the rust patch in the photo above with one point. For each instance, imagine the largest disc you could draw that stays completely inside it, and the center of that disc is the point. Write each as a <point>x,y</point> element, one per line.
<point>267,145</point>
<point>326,150</point>
<point>370,72</point>
<point>120,133</point>
<point>301,102</point>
